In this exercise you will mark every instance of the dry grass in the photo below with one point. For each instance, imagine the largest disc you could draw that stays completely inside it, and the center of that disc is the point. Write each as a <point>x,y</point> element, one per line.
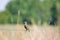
<point>36,33</point>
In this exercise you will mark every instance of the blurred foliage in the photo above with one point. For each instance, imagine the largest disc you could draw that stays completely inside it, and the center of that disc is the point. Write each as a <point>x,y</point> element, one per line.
<point>44,11</point>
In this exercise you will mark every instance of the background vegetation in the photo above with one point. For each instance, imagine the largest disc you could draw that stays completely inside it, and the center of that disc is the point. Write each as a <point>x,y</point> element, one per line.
<point>39,11</point>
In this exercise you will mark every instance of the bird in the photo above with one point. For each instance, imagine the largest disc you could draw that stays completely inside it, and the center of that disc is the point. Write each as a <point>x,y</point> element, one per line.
<point>26,26</point>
